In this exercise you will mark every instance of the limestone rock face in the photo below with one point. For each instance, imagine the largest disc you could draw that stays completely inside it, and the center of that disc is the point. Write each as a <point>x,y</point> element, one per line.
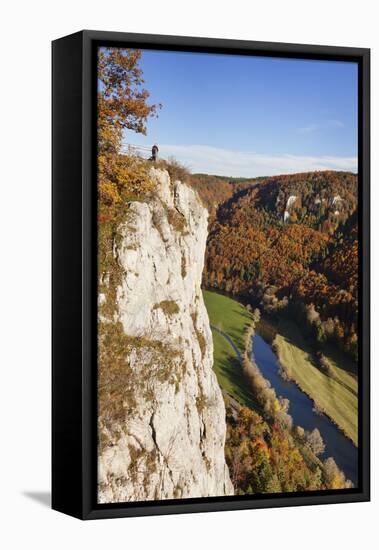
<point>170,442</point>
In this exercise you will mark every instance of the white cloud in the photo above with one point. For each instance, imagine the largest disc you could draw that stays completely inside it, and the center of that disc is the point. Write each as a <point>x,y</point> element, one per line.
<point>326,125</point>
<point>225,162</point>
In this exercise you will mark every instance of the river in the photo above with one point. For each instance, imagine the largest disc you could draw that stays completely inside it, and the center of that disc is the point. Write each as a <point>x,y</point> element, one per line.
<point>302,411</point>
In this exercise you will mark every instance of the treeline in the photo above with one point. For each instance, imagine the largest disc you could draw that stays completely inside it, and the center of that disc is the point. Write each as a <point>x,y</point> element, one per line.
<point>212,191</point>
<point>216,190</point>
<point>265,452</point>
<point>281,244</point>
<point>268,458</point>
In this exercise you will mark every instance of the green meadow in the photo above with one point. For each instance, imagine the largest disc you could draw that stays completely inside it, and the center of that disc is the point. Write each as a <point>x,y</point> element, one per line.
<point>335,393</point>
<point>232,319</point>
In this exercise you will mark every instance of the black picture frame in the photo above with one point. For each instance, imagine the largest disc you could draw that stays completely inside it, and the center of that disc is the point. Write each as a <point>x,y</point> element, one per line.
<point>74,273</point>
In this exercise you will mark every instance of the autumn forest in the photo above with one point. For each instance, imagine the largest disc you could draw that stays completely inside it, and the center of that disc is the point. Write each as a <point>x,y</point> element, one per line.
<point>290,243</point>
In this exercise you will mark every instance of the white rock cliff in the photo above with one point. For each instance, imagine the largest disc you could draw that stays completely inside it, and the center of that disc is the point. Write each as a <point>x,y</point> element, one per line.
<point>171,442</point>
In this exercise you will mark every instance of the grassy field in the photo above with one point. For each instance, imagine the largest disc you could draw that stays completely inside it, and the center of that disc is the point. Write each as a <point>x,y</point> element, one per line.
<point>229,372</point>
<point>336,395</point>
<point>232,318</point>
<point>228,315</point>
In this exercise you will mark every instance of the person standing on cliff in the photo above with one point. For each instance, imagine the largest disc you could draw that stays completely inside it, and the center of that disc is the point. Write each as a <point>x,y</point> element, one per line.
<point>154,152</point>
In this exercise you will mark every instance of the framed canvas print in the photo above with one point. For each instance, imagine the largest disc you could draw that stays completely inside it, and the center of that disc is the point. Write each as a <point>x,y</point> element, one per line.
<point>210,274</point>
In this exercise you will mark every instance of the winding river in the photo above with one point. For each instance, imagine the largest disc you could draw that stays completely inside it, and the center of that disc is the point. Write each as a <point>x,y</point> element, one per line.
<point>302,411</point>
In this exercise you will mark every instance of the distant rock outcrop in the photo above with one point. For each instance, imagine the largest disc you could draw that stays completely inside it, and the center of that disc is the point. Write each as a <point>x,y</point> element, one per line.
<point>290,202</point>
<point>170,443</point>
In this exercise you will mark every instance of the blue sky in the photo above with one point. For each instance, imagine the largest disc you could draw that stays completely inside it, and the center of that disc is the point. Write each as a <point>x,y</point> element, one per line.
<point>251,116</point>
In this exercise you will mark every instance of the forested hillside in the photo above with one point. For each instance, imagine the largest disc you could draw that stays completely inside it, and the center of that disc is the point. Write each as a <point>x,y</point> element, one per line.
<point>212,190</point>
<point>216,190</point>
<point>290,243</point>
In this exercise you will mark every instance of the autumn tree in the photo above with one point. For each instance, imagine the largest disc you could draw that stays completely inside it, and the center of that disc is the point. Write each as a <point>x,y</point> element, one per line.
<point>315,442</point>
<point>122,104</point>
<point>122,100</point>
<point>334,478</point>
